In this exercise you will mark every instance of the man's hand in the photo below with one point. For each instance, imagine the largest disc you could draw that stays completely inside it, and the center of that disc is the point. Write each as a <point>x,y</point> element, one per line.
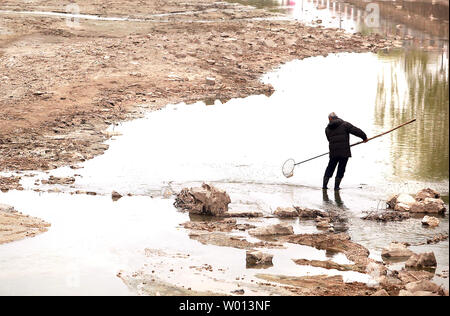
<point>366,140</point>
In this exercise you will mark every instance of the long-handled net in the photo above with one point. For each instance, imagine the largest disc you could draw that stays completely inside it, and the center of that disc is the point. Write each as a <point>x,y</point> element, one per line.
<point>289,165</point>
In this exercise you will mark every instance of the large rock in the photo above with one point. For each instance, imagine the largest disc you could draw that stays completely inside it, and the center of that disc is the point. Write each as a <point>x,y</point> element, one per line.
<point>423,285</point>
<point>405,199</point>
<point>418,293</point>
<point>420,261</point>
<point>286,212</point>
<point>258,258</point>
<point>273,230</point>
<point>206,200</point>
<point>430,221</point>
<point>407,276</point>
<point>428,205</point>
<point>402,202</point>
<point>427,193</point>
<point>396,250</point>
<point>425,201</point>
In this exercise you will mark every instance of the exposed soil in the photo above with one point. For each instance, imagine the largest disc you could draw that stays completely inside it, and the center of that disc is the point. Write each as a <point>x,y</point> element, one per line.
<point>88,77</point>
<point>320,285</point>
<point>15,226</point>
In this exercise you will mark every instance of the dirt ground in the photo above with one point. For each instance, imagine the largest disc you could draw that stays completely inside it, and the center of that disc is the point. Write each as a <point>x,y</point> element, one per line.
<point>15,226</point>
<point>64,83</point>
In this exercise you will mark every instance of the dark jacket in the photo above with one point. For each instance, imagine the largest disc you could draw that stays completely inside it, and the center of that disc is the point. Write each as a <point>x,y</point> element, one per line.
<point>338,134</point>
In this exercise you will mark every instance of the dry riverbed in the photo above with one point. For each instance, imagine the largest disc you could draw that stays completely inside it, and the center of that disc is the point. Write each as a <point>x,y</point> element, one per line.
<point>64,85</point>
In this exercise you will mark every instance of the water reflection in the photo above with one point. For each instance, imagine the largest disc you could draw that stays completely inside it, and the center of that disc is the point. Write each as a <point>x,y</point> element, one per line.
<point>424,23</point>
<point>414,83</point>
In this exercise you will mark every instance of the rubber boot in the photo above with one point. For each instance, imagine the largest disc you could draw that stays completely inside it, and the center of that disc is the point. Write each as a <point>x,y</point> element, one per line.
<point>337,183</point>
<point>325,183</point>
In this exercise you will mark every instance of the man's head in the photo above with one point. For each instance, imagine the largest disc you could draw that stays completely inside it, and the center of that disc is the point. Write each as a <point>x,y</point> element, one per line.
<point>332,116</point>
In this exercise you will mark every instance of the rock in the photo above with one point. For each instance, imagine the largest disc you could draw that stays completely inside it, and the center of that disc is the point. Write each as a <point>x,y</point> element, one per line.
<point>258,258</point>
<point>437,238</point>
<point>324,223</point>
<point>273,230</point>
<point>423,285</point>
<point>286,212</point>
<point>115,195</point>
<point>418,293</point>
<point>420,261</point>
<point>430,221</point>
<point>407,276</point>
<point>405,199</point>
<point>427,193</point>
<point>328,264</point>
<point>381,292</point>
<point>206,200</point>
<point>428,205</point>
<point>396,250</point>
<point>402,207</point>
<point>336,242</point>
<point>392,201</point>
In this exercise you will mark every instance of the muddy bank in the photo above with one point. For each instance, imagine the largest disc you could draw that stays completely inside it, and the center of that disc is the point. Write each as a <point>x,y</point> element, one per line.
<point>15,225</point>
<point>88,77</point>
<point>320,285</point>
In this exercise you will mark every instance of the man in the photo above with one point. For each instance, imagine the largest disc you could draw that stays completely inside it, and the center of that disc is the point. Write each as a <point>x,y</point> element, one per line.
<point>338,134</point>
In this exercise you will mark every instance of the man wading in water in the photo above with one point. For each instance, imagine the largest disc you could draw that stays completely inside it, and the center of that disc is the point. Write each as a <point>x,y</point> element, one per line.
<point>338,134</point>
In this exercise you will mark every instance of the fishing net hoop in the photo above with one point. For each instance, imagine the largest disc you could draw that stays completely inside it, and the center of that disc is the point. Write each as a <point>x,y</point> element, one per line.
<point>288,168</point>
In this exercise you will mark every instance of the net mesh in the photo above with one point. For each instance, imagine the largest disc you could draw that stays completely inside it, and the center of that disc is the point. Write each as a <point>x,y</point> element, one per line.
<point>288,168</point>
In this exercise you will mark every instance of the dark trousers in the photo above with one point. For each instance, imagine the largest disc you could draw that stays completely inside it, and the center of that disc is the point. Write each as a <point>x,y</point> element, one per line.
<point>341,163</point>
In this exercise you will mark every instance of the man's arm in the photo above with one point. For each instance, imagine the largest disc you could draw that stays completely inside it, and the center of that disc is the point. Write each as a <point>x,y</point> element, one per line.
<point>326,134</point>
<point>356,131</point>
